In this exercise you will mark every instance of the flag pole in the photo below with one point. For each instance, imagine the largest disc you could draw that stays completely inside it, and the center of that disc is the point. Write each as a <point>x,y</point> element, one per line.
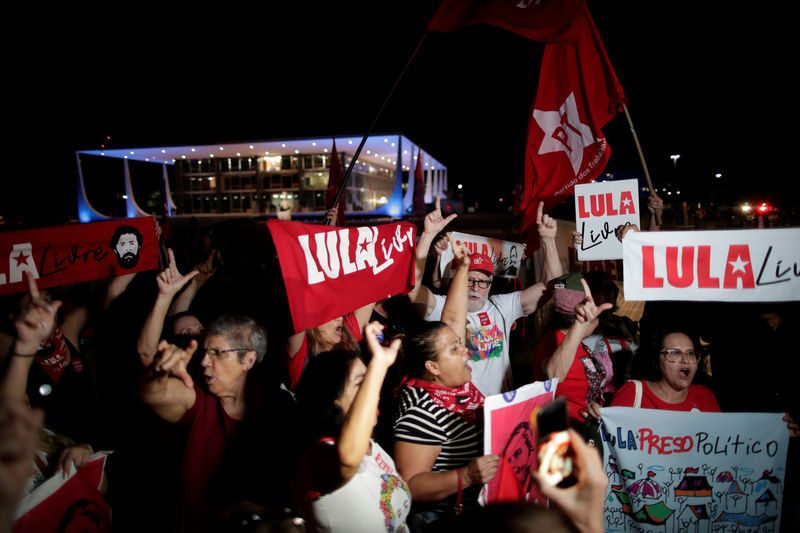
<point>641,156</point>
<point>374,120</point>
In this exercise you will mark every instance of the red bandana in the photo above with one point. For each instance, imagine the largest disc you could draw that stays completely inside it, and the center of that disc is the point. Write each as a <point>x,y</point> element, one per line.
<point>53,355</point>
<point>464,400</point>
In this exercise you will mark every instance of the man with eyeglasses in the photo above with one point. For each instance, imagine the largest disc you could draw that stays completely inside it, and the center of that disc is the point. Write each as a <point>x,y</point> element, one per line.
<point>489,318</point>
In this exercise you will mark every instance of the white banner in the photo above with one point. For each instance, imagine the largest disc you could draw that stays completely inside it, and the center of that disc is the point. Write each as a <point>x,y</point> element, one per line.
<point>760,265</point>
<point>675,472</point>
<point>599,209</point>
<point>506,255</point>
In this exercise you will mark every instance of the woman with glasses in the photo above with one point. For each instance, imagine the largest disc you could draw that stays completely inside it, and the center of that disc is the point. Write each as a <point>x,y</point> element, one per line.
<point>211,414</point>
<point>670,363</point>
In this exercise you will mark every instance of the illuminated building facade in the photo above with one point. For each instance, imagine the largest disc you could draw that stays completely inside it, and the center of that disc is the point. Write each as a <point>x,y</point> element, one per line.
<point>265,177</point>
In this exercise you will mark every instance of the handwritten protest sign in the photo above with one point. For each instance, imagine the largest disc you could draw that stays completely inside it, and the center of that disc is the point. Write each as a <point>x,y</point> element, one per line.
<point>510,432</point>
<point>506,255</point>
<point>67,503</point>
<point>329,272</point>
<point>728,265</point>
<point>69,254</point>
<point>599,209</point>
<point>673,471</point>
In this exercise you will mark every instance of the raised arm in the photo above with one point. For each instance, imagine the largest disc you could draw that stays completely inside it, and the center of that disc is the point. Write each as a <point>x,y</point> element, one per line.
<point>547,226</point>
<point>454,313</point>
<point>420,295</point>
<point>33,325</point>
<point>165,384</point>
<point>205,271</point>
<point>169,282</point>
<point>586,313</point>
<point>353,441</point>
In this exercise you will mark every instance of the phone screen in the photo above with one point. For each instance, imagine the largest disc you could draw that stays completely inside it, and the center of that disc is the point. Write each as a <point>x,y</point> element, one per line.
<point>555,456</point>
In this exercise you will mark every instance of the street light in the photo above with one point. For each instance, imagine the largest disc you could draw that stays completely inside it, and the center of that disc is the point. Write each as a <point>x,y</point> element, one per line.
<point>675,158</point>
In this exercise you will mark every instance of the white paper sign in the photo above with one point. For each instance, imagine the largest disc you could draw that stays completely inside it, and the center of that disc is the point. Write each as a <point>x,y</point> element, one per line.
<point>675,472</point>
<point>599,209</point>
<point>760,265</point>
<point>506,255</point>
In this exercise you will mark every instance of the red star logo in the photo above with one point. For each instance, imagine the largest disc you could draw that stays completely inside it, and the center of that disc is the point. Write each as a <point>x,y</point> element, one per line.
<point>21,258</point>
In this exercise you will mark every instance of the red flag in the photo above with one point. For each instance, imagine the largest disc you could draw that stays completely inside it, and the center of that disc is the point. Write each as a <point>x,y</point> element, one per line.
<point>81,252</point>
<point>329,272</point>
<point>578,93</point>
<point>335,181</point>
<point>419,187</point>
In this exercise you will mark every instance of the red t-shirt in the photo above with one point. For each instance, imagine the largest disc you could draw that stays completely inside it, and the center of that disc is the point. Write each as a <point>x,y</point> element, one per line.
<point>584,380</point>
<point>296,364</point>
<point>700,398</point>
<point>202,454</point>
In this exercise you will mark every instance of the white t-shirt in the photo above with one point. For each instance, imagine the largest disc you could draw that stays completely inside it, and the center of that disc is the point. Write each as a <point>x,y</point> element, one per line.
<point>487,336</point>
<point>375,499</point>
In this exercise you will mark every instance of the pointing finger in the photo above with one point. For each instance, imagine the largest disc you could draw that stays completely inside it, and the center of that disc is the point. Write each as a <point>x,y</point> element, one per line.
<point>539,213</point>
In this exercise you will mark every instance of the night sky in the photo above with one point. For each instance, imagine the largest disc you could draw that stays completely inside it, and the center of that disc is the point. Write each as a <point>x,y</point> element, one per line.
<point>709,85</point>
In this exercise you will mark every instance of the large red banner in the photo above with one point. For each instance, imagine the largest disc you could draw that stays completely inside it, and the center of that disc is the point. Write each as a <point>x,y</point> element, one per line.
<point>331,271</point>
<point>69,254</point>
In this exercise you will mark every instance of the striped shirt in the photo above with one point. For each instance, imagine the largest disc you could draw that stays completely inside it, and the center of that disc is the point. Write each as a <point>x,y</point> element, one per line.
<point>421,421</point>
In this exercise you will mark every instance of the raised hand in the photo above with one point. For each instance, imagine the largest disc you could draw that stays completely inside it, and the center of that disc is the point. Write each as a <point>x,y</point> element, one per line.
<point>655,203</point>
<point>172,361</point>
<point>169,280</point>
<point>545,224</point>
<point>35,323</point>
<point>586,311</point>
<point>460,251</point>
<point>384,355</point>
<point>434,223</point>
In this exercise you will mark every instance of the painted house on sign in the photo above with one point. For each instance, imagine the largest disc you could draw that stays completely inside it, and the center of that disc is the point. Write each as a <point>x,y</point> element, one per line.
<point>693,487</point>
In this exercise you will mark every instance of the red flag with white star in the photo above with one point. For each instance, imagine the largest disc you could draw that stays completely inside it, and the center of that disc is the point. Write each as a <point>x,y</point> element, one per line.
<point>578,92</point>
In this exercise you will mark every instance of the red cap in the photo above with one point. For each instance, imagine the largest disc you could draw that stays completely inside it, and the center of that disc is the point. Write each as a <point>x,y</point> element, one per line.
<point>481,263</point>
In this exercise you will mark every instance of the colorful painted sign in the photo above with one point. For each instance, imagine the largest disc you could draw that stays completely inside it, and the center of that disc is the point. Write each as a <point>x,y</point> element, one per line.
<point>506,255</point>
<point>672,472</point>
<point>600,208</point>
<point>510,432</point>
<point>760,265</point>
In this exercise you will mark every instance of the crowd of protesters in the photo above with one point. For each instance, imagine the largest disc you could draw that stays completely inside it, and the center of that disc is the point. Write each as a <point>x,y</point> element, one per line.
<point>222,418</point>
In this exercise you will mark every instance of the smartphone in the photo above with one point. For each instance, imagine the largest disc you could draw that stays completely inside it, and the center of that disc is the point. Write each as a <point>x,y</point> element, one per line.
<point>555,454</point>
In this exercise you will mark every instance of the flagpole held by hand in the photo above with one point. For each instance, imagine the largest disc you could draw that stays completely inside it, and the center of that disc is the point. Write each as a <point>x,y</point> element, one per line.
<point>641,156</point>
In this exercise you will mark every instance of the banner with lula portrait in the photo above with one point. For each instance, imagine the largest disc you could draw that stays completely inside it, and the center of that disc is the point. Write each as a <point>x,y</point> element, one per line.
<point>673,472</point>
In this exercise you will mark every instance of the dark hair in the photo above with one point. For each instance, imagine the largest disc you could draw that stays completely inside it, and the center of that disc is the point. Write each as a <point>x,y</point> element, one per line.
<point>122,230</point>
<point>646,362</point>
<point>600,283</point>
<point>322,383</point>
<point>419,347</point>
<point>242,331</point>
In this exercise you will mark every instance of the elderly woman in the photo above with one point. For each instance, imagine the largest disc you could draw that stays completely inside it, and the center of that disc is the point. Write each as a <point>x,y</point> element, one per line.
<point>670,362</point>
<point>210,414</point>
<point>438,437</point>
<point>345,481</point>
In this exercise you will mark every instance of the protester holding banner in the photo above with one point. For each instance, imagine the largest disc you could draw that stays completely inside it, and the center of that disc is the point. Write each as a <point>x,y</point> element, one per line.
<point>580,374</point>
<point>438,437</point>
<point>342,332</point>
<point>345,481</point>
<point>211,415</point>
<point>489,318</point>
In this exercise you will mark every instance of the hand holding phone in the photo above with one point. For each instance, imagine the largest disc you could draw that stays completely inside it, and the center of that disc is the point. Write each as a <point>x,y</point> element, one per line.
<point>553,441</point>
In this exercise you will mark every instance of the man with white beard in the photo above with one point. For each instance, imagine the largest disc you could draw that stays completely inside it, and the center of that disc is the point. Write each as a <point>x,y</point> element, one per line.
<point>489,318</point>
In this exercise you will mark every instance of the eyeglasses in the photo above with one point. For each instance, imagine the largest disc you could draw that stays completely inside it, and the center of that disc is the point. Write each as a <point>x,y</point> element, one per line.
<point>213,352</point>
<point>677,356</point>
<point>482,283</point>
